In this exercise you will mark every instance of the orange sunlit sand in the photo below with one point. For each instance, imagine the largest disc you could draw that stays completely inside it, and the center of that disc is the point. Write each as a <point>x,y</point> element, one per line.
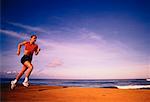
<point>37,93</point>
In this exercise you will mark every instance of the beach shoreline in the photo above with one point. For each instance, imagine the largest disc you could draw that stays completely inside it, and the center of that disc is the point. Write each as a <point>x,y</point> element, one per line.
<point>43,93</point>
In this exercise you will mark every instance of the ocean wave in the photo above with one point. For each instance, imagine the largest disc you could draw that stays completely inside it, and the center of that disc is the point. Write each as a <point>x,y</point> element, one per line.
<point>148,79</point>
<point>134,87</point>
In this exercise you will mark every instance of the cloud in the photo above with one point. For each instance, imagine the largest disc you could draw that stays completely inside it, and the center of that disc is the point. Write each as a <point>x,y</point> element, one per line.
<point>23,36</point>
<point>8,74</point>
<point>55,63</point>
<point>89,35</point>
<point>14,34</point>
<point>82,33</point>
<point>11,72</point>
<point>28,27</point>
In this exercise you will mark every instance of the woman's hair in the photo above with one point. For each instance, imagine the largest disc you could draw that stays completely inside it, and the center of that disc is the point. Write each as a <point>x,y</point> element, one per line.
<point>33,36</point>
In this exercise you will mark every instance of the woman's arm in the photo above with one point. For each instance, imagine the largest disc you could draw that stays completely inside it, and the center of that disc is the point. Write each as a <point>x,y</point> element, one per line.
<point>19,47</point>
<point>37,51</point>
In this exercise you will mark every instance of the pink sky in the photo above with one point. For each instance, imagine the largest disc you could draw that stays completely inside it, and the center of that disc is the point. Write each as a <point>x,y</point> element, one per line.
<point>98,60</point>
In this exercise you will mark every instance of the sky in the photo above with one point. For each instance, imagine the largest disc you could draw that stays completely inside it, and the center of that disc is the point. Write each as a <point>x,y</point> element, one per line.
<point>79,39</point>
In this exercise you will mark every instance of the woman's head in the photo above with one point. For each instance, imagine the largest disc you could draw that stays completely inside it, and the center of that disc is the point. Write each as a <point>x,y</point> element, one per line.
<point>33,38</point>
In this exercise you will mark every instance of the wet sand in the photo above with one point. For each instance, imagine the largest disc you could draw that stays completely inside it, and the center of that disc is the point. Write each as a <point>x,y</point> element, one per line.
<point>41,93</point>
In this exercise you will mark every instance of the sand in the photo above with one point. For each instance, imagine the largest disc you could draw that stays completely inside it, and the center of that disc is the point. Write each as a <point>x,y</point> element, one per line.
<point>37,93</point>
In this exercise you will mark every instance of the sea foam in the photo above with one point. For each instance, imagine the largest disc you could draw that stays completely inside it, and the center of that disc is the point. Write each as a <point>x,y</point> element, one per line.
<point>134,87</point>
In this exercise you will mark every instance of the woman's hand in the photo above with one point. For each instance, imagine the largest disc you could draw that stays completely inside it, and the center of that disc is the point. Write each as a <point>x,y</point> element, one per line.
<point>18,53</point>
<point>38,50</point>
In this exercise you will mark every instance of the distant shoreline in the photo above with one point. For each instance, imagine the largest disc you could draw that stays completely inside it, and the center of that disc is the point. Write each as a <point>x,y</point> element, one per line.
<point>108,83</point>
<point>76,79</point>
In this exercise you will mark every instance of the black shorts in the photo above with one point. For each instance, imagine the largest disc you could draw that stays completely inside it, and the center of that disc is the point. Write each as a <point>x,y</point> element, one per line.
<point>26,58</point>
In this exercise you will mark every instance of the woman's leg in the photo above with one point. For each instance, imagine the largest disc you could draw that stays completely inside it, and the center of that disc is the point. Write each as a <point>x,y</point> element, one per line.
<point>24,68</point>
<point>29,68</point>
<point>13,82</point>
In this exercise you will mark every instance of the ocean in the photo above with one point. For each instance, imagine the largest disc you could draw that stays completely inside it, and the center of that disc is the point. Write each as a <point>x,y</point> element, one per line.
<point>98,83</point>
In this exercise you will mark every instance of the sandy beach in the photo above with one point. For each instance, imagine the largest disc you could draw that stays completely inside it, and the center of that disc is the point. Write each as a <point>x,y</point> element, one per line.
<point>38,93</point>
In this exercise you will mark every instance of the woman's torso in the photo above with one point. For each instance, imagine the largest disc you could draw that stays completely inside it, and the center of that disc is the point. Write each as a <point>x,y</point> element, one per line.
<point>30,48</point>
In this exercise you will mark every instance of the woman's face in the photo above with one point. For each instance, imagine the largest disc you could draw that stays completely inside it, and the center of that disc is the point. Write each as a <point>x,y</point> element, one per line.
<point>33,39</point>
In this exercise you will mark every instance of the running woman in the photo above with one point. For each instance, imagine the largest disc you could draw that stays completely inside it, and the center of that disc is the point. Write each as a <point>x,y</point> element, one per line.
<point>30,48</point>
